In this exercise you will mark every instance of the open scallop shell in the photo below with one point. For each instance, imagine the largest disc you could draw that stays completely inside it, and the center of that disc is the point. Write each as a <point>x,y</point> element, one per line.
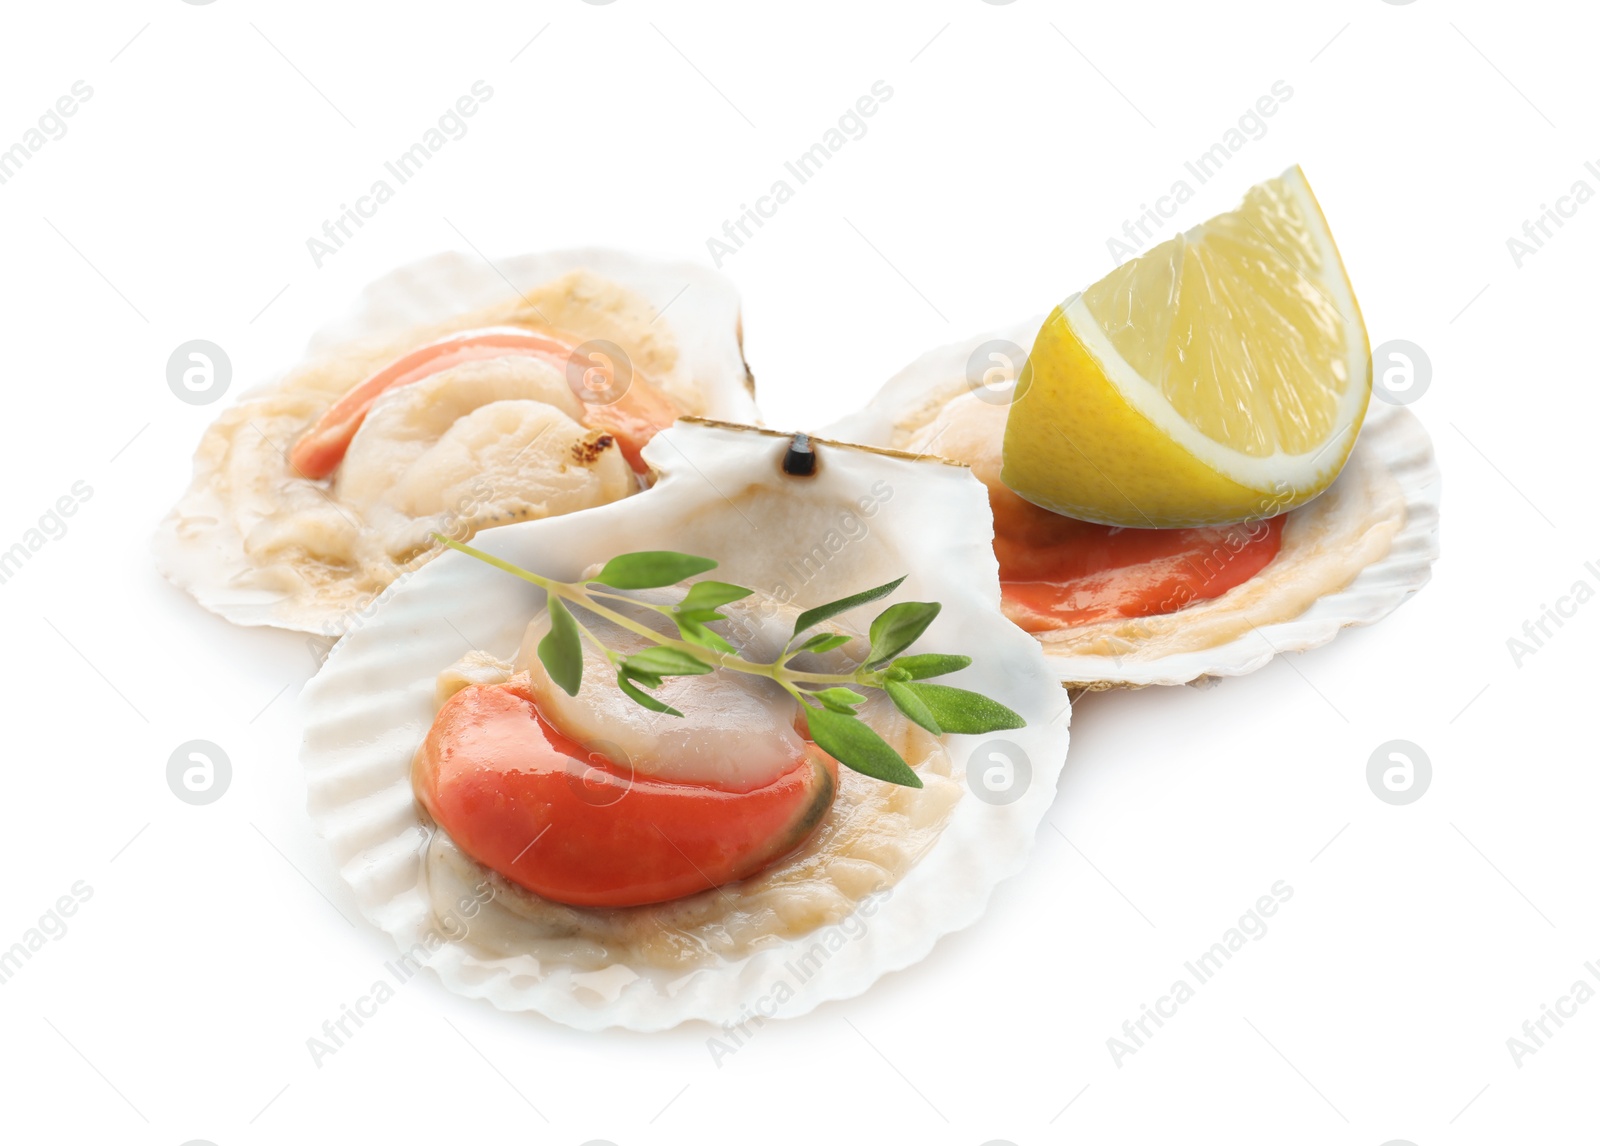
<point>721,492</point>
<point>200,546</point>
<point>1348,558</point>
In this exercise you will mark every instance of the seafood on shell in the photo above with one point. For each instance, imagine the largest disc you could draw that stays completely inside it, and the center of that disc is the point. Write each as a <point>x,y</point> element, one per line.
<point>1349,557</point>
<point>264,536</point>
<point>886,873</point>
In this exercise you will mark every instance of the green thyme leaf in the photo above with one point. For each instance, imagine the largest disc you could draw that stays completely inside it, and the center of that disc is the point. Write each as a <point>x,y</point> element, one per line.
<point>561,650</point>
<point>829,704</point>
<point>824,643</point>
<point>659,660</point>
<point>856,746</point>
<point>696,633</point>
<point>711,595</point>
<point>912,705</point>
<point>698,616</point>
<point>844,604</point>
<point>839,699</point>
<point>924,665</point>
<point>957,710</point>
<point>897,628</point>
<point>651,569</point>
<point>643,698</point>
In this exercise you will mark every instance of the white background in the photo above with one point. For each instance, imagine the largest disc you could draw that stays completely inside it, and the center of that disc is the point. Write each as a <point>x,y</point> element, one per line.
<point>1018,138</point>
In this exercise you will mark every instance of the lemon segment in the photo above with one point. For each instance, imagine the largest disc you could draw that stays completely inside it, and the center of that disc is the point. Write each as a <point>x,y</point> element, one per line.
<point>1223,375</point>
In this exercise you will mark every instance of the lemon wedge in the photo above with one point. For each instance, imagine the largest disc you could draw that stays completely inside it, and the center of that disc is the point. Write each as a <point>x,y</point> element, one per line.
<point>1219,377</point>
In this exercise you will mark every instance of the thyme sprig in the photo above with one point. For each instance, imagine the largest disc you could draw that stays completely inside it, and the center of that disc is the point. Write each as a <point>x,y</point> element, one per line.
<point>828,699</point>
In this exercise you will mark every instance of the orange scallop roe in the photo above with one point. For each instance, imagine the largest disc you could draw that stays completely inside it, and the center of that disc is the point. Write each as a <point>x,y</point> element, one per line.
<point>1057,572</point>
<point>570,825</point>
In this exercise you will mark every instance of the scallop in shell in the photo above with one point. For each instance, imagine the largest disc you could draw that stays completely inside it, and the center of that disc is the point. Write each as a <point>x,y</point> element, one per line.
<point>888,870</point>
<point>493,425</point>
<point>1350,557</point>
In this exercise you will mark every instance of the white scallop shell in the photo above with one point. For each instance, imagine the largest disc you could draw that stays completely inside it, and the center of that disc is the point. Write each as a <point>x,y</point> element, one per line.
<point>369,707</point>
<point>1392,442</point>
<point>700,306</point>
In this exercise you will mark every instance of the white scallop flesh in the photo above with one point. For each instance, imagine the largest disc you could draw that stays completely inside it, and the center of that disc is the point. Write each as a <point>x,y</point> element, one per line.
<point>405,423</point>
<point>480,444</point>
<point>737,730</point>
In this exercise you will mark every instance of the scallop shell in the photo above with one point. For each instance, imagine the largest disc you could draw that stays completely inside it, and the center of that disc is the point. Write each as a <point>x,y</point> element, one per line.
<point>200,547</point>
<point>1383,509</point>
<point>722,492</point>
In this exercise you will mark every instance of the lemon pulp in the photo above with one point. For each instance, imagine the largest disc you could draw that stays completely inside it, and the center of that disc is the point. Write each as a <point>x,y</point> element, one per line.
<point>1221,376</point>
